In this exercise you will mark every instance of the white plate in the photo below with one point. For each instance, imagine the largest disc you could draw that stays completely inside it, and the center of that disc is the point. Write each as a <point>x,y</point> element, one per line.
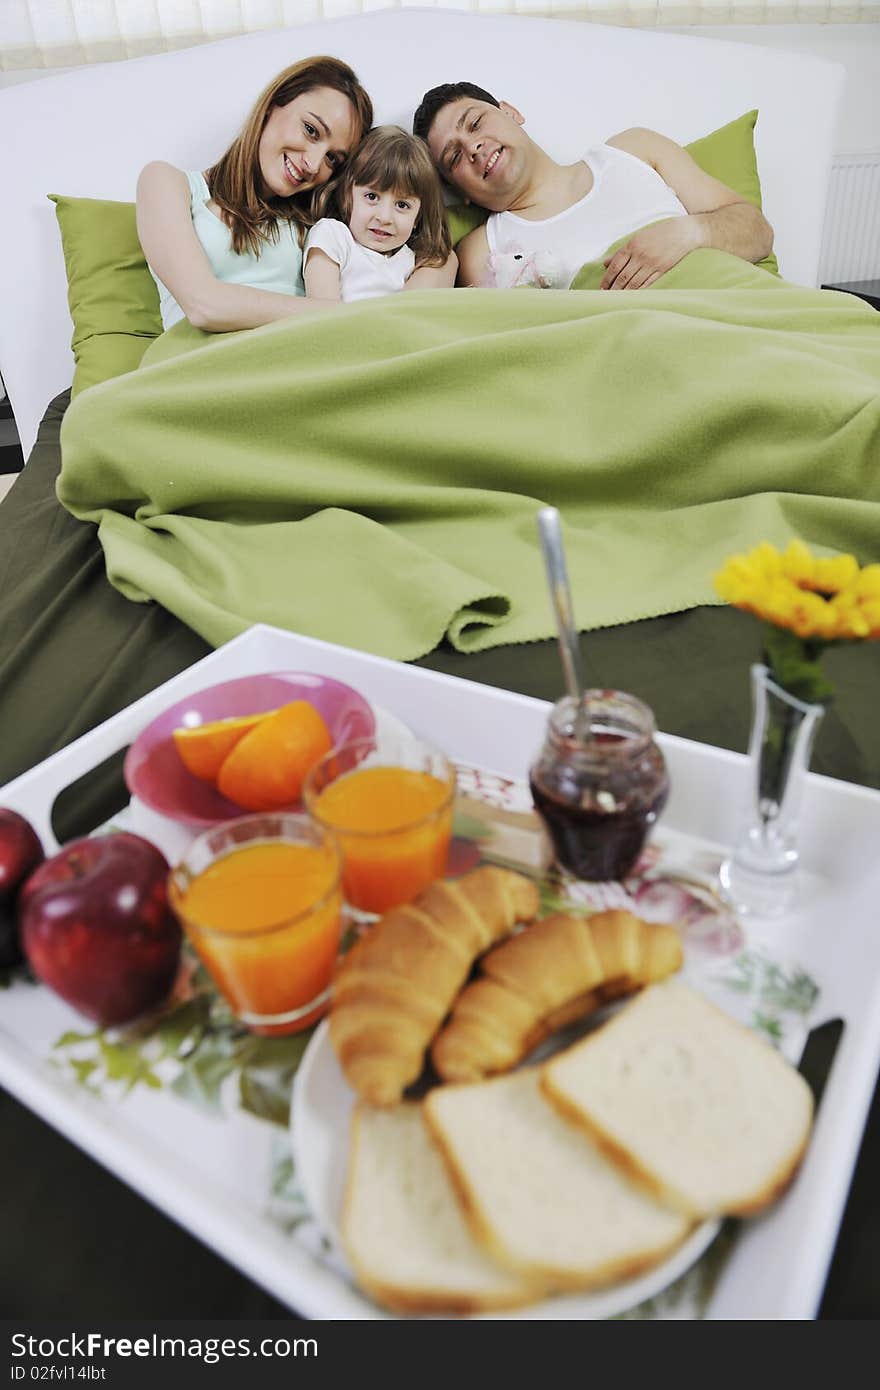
<point>320,1122</point>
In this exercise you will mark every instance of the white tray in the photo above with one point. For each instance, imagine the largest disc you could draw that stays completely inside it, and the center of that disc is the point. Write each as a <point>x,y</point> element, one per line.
<point>233,1194</point>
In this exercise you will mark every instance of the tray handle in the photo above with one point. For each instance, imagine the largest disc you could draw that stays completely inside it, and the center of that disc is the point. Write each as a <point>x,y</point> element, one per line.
<point>33,794</point>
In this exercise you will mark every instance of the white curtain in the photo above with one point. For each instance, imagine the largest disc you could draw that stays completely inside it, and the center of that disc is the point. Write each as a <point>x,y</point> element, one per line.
<point>61,33</point>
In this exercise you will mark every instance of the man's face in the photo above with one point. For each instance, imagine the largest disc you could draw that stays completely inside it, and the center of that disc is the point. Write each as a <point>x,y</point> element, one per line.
<point>481,150</point>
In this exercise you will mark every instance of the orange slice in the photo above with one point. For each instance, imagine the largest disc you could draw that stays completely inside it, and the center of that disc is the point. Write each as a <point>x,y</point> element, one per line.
<point>266,769</point>
<point>203,749</point>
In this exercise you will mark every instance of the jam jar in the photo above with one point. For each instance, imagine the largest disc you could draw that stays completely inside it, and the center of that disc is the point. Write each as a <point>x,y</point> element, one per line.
<point>599,782</point>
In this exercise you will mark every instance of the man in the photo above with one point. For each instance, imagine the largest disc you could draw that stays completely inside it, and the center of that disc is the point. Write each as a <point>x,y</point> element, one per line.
<point>574,213</point>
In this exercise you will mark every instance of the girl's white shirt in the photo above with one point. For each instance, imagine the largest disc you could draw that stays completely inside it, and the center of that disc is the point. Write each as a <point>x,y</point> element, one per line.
<point>277,268</point>
<point>363,273</point>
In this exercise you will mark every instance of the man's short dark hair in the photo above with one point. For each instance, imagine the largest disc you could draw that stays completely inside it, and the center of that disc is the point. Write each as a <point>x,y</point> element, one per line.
<point>433,102</point>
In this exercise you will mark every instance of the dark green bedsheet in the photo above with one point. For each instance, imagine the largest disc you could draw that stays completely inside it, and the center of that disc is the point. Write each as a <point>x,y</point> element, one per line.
<point>73,651</point>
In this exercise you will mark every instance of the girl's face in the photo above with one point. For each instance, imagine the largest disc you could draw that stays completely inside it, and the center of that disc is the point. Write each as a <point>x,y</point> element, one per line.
<point>382,221</point>
<point>305,143</point>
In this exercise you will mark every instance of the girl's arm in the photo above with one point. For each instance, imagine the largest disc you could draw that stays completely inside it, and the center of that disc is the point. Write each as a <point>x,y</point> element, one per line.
<point>172,248</point>
<point>321,276</point>
<point>434,277</point>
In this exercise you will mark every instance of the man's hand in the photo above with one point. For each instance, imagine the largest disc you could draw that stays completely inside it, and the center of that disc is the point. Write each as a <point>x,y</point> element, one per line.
<point>716,217</point>
<point>648,254</point>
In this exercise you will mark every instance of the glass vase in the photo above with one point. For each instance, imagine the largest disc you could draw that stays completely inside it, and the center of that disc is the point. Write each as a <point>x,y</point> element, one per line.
<point>760,876</point>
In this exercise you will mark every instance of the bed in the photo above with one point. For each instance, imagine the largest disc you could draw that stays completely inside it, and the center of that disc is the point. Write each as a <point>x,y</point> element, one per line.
<point>74,649</point>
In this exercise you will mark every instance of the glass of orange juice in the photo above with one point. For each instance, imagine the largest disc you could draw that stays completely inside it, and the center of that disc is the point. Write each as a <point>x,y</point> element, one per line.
<point>389,801</point>
<point>260,899</point>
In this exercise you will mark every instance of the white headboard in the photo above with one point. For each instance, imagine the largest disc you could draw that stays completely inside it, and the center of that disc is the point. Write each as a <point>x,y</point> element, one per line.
<point>88,132</point>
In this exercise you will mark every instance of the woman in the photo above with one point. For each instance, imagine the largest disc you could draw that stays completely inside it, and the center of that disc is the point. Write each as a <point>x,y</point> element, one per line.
<point>225,246</point>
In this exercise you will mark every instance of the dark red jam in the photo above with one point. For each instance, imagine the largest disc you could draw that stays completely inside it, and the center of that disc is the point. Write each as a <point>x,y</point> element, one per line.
<point>600,792</point>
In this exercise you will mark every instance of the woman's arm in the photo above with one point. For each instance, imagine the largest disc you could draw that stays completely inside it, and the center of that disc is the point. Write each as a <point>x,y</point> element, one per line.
<point>172,248</point>
<point>434,277</point>
<point>717,216</point>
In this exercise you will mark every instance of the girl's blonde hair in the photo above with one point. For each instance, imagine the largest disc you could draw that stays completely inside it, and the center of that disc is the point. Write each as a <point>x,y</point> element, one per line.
<point>392,160</point>
<point>235,182</point>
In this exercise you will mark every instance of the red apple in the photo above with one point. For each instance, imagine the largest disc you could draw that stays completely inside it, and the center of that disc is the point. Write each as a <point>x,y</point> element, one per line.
<point>96,927</point>
<point>20,853</point>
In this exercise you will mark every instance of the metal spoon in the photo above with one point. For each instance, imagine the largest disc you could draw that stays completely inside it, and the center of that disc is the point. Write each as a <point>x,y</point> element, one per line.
<point>550,532</point>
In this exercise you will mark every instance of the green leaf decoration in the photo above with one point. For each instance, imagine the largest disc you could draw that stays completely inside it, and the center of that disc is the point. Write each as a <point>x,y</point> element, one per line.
<point>552,900</point>
<point>283,1054</point>
<point>266,1078</point>
<point>283,1176</point>
<point>796,993</point>
<point>742,973</point>
<point>181,1030</point>
<point>203,1074</point>
<point>753,973</point>
<point>126,1062</point>
<point>287,1206</point>
<point>769,1026</point>
<point>70,1039</point>
<point>469,827</point>
<point>83,1070</point>
<point>261,1094</point>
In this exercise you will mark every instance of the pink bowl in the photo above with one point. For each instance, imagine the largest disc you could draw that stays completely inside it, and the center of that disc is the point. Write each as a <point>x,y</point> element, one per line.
<point>155,774</point>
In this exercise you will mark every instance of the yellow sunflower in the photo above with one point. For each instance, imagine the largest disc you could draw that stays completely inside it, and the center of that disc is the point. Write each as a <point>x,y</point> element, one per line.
<point>819,599</point>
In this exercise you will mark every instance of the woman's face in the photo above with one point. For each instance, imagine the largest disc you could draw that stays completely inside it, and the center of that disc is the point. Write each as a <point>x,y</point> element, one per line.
<point>306,142</point>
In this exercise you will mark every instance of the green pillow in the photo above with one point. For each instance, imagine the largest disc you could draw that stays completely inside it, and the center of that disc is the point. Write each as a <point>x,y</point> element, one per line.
<point>113,298</point>
<point>728,154</point>
<point>463,218</point>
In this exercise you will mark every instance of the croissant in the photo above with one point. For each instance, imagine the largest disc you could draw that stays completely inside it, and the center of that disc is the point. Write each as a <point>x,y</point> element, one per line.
<point>558,971</point>
<point>398,982</point>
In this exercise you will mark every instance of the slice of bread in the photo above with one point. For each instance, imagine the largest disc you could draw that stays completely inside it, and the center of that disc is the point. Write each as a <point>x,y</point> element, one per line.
<point>696,1106</point>
<point>403,1229</point>
<point>539,1195</point>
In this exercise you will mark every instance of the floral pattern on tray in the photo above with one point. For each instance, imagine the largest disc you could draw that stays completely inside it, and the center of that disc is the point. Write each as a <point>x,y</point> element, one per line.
<point>195,1053</point>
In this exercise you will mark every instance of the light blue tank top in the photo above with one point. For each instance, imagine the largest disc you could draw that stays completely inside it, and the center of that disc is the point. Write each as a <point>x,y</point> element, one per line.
<point>278,267</point>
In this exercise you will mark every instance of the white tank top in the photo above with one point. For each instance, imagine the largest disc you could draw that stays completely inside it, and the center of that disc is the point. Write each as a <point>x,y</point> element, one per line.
<point>626,194</point>
<point>278,267</point>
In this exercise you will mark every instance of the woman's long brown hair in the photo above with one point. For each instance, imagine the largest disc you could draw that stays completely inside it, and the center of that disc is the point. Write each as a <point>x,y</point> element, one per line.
<point>390,159</point>
<point>235,182</point>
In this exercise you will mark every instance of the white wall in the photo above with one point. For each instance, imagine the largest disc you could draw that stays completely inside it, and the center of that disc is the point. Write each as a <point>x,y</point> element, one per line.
<point>856,46</point>
<point>851,238</point>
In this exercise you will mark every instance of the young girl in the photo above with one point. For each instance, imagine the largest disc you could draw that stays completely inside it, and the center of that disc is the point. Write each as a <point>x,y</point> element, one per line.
<point>225,245</point>
<point>391,233</point>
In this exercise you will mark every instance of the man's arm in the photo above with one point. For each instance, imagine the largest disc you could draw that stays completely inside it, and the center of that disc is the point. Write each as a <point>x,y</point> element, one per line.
<point>717,217</point>
<point>473,258</point>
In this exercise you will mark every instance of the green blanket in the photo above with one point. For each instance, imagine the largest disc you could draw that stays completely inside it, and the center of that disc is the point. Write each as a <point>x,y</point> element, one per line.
<point>371,475</point>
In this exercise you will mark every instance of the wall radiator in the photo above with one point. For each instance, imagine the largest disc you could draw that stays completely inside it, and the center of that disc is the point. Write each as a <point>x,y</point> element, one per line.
<point>851,238</point>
